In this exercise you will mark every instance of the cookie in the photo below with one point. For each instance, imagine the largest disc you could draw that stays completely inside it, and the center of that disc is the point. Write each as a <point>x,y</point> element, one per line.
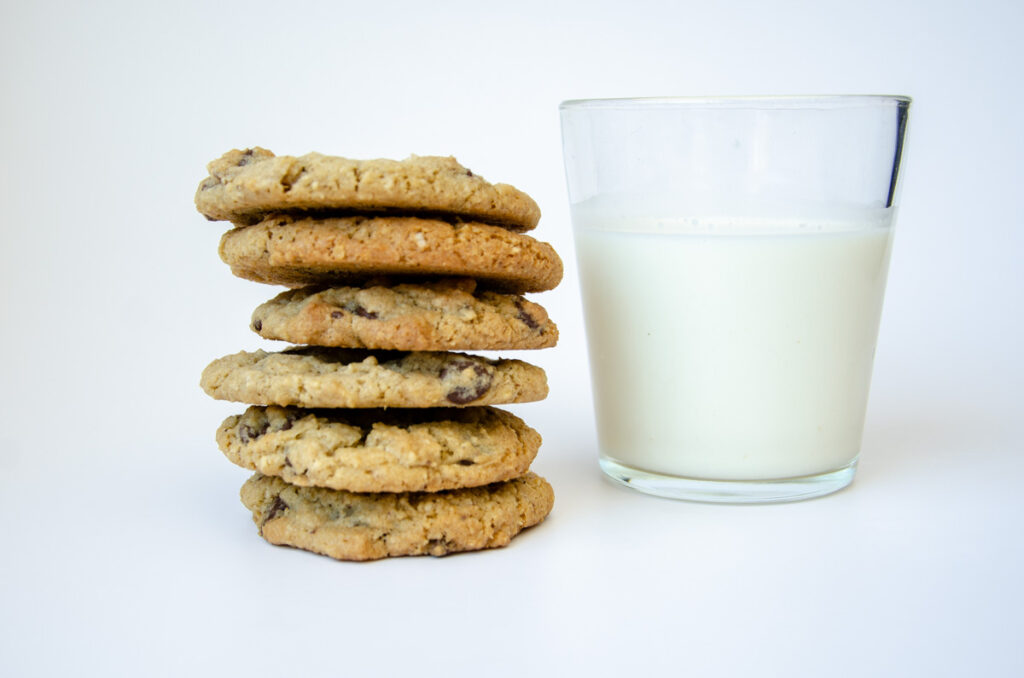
<point>381,450</point>
<point>244,186</point>
<point>286,250</point>
<point>352,526</point>
<point>443,316</point>
<point>333,377</point>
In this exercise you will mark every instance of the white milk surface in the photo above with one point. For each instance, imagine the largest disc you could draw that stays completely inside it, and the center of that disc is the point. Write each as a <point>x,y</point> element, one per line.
<point>732,351</point>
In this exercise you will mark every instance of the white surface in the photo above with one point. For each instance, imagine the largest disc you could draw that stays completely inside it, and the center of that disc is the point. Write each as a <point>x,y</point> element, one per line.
<point>124,549</point>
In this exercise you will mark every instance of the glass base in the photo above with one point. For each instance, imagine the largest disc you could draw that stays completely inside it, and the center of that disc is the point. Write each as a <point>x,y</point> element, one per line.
<point>730,491</point>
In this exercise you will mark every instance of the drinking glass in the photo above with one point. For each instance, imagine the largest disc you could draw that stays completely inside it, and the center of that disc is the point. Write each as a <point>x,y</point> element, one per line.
<point>732,256</point>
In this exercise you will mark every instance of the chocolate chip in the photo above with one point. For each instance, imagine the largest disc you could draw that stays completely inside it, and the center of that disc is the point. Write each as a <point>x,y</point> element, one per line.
<point>363,313</point>
<point>469,173</point>
<point>360,311</point>
<point>247,433</point>
<point>466,462</point>
<point>257,325</point>
<point>336,314</point>
<point>287,462</point>
<point>526,317</point>
<point>463,393</point>
<point>289,421</point>
<point>246,158</point>
<point>278,507</point>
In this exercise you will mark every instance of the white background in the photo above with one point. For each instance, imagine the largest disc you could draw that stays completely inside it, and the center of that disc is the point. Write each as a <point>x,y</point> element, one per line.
<point>123,547</point>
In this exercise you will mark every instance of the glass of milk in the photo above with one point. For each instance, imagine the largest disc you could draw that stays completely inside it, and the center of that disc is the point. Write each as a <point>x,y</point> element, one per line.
<point>732,257</point>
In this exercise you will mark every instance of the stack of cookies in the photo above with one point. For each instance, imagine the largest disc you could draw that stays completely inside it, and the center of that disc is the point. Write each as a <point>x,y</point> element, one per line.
<point>375,435</point>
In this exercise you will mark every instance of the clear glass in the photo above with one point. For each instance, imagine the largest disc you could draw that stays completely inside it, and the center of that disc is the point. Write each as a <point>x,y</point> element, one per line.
<point>732,257</point>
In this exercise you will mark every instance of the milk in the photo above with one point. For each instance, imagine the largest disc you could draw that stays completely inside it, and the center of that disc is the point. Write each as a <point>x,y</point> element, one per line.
<point>731,349</point>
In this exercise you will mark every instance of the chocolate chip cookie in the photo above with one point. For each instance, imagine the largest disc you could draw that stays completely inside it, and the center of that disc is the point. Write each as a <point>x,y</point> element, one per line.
<point>442,316</point>
<point>297,251</point>
<point>381,451</point>
<point>351,526</point>
<point>244,186</point>
<point>325,377</point>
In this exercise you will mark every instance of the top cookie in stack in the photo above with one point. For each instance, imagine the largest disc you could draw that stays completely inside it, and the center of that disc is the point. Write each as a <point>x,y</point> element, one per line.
<point>398,264</point>
<point>245,186</point>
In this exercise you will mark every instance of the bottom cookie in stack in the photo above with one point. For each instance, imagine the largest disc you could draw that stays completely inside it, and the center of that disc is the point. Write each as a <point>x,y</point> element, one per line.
<point>337,476</point>
<point>361,526</point>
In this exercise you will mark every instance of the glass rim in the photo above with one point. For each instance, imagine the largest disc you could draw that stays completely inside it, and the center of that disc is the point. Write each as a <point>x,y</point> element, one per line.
<point>788,101</point>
